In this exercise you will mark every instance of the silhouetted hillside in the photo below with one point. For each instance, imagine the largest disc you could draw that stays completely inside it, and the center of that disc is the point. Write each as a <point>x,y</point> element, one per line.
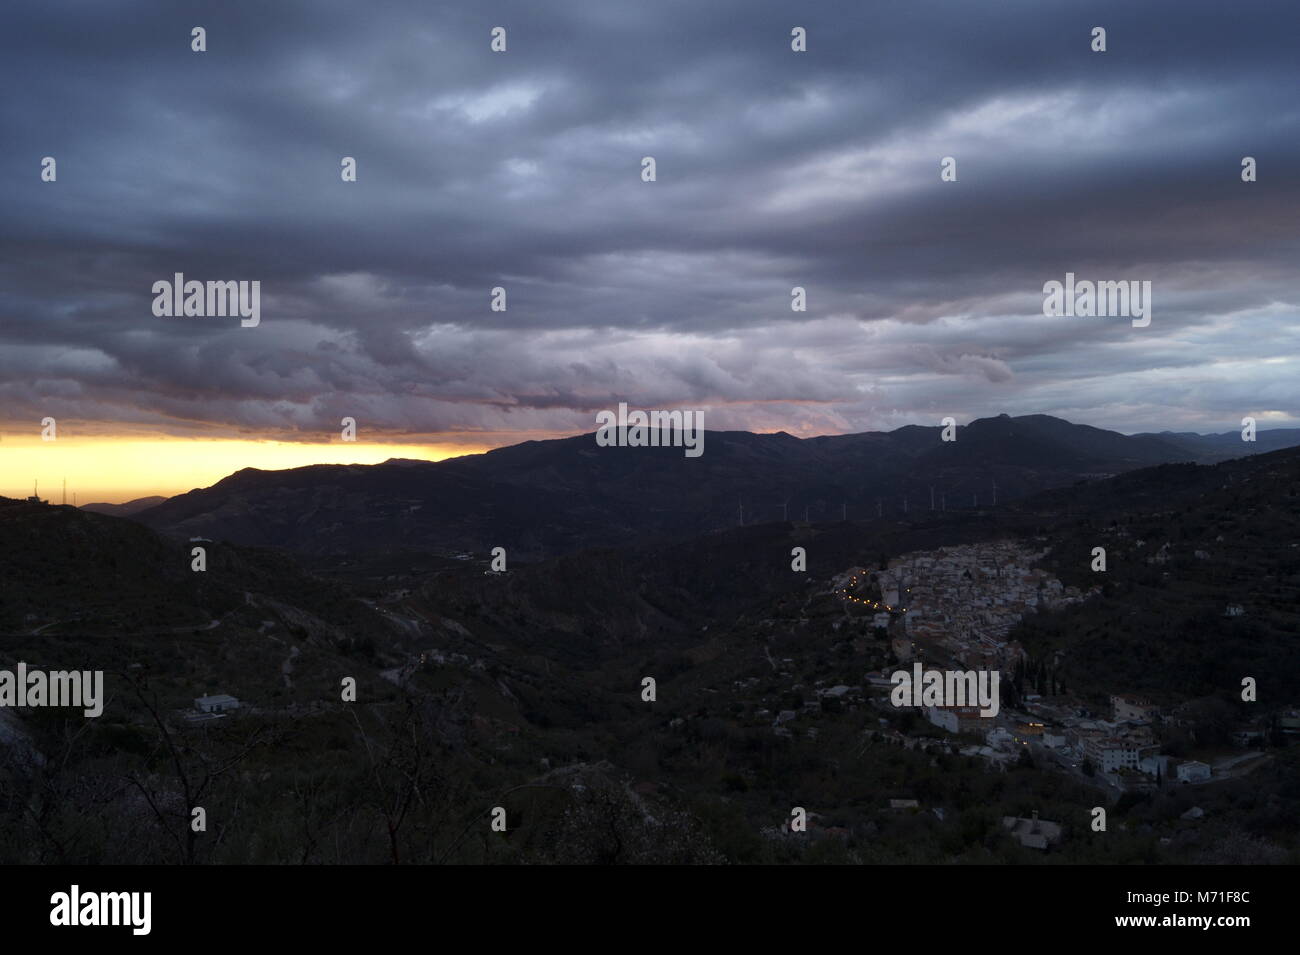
<point>126,509</point>
<point>544,498</point>
<point>524,689</point>
<point>66,570</point>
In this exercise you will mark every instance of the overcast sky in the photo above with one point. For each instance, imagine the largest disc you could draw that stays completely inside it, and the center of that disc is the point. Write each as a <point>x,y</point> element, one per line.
<point>523,169</point>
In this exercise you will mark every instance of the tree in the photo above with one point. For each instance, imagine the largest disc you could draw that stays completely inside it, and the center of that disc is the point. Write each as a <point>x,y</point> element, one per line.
<point>194,771</point>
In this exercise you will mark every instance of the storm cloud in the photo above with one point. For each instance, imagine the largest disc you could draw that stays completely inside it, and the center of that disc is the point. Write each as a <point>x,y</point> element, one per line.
<point>522,170</point>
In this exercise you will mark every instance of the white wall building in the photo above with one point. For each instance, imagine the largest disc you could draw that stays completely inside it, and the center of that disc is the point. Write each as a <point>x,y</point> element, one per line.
<point>942,717</point>
<point>999,738</point>
<point>216,704</point>
<point>1113,753</point>
<point>1131,708</point>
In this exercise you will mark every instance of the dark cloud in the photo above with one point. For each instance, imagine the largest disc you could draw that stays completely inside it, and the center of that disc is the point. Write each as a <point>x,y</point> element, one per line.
<point>522,170</point>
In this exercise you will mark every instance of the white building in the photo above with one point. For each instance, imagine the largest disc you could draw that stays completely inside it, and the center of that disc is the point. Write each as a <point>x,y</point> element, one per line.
<point>216,704</point>
<point>942,717</point>
<point>1192,771</point>
<point>1131,708</point>
<point>999,738</point>
<point>1032,833</point>
<point>1113,753</point>
<point>959,719</point>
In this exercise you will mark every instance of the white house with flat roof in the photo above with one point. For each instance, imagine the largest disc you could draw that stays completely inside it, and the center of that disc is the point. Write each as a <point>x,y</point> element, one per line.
<point>216,704</point>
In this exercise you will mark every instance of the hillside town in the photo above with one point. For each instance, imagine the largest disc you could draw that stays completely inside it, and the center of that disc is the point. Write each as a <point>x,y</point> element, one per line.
<point>960,603</point>
<point>955,608</point>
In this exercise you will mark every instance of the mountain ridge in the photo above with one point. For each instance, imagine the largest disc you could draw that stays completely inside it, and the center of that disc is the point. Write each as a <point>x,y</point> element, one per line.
<point>543,498</point>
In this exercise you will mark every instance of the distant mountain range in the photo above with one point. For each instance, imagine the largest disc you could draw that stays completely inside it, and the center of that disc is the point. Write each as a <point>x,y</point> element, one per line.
<point>545,498</point>
<point>1229,444</point>
<point>123,510</point>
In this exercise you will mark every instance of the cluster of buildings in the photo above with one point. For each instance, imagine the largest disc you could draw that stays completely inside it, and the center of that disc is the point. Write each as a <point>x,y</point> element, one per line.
<point>960,604</point>
<point>1126,745</point>
<point>960,601</point>
<point>956,607</point>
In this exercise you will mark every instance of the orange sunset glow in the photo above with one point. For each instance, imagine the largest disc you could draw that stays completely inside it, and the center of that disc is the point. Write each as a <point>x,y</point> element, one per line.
<point>114,470</point>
